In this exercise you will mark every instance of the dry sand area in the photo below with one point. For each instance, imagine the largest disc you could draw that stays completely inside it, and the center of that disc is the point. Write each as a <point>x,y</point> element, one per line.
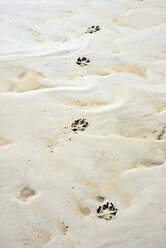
<point>83,123</point>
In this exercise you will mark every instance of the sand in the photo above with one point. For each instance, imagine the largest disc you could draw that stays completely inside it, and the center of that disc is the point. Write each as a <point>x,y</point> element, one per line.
<point>83,124</point>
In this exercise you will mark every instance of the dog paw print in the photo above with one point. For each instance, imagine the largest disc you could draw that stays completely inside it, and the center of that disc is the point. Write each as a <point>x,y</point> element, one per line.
<point>93,29</point>
<point>82,61</point>
<point>79,125</point>
<point>107,211</point>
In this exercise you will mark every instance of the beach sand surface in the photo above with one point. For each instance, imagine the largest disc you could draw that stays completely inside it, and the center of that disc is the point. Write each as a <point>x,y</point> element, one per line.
<point>83,124</point>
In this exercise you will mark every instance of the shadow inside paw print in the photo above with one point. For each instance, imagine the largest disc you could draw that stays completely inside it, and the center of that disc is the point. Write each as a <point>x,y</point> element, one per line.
<point>82,61</point>
<point>107,211</point>
<point>93,29</point>
<point>79,125</point>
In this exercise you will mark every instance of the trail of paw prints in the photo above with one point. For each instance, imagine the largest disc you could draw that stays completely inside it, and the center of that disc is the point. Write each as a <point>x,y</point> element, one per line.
<point>82,61</point>
<point>93,29</point>
<point>79,125</point>
<point>107,211</point>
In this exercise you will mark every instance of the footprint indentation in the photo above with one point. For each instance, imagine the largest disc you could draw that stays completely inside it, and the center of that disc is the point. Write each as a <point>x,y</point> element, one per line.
<point>82,61</point>
<point>93,29</point>
<point>107,211</point>
<point>26,193</point>
<point>85,211</point>
<point>79,125</point>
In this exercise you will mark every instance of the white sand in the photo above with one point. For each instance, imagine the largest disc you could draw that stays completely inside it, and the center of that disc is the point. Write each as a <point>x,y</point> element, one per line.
<point>53,179</point>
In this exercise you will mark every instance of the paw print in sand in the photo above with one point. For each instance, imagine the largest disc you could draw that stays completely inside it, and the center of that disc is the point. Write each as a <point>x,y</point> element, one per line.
<point>93,29</point>
<point>107,211</point>
<point>82,61</point>
<point>79,125</point>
